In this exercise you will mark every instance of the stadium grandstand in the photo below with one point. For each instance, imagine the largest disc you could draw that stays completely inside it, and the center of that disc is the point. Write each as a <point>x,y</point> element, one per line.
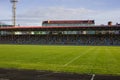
<point>62,32</point>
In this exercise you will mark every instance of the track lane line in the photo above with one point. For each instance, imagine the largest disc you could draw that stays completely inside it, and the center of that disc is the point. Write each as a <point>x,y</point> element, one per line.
<point>93,76</point>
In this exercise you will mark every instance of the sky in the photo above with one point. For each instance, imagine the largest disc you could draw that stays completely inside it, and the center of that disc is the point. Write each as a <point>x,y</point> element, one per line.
<point>33,12</point>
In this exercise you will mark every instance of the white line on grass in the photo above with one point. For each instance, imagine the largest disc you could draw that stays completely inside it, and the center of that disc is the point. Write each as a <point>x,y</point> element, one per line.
<point>93,76</point>
<point>77,57</point>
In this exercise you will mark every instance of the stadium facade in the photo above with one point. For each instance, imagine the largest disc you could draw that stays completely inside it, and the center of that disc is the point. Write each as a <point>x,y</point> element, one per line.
<point>69,32</point>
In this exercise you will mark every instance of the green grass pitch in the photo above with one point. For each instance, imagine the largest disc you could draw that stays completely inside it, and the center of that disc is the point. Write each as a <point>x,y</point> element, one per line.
<point>74,59</point>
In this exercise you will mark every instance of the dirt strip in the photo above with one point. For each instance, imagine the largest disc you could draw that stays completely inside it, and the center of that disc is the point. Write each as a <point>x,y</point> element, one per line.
<point>14,74</point>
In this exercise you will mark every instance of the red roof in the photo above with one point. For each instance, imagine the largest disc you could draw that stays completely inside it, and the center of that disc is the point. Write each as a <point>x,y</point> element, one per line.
<point>56,28</point>
<point>68,22</point>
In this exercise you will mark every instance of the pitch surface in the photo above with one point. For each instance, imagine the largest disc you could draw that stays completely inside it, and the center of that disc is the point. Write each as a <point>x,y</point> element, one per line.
<point>73,59</point>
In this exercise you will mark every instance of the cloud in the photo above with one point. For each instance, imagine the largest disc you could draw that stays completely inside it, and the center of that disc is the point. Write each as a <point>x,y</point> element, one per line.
<point>104,16</point>
<point>53,13</point>
<point>60,13</point>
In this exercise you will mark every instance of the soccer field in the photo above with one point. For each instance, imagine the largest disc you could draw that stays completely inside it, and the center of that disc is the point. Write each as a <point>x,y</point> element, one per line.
<point>73,59</point>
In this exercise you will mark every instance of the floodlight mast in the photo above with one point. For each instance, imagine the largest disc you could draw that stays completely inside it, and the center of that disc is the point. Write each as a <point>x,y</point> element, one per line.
<point>14,11</point>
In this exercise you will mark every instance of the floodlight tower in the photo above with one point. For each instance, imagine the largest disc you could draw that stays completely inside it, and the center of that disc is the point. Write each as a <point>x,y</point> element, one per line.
<point>14,11</point>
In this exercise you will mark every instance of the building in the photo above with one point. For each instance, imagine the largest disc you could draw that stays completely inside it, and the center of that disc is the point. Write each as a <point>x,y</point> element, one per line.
<point>62,35</point>
<point>68,23</point>
<point>5,25</point>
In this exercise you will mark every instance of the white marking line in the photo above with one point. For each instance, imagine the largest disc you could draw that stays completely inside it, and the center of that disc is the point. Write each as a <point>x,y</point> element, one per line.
<point>93,76</point>
<point>77,57</point>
